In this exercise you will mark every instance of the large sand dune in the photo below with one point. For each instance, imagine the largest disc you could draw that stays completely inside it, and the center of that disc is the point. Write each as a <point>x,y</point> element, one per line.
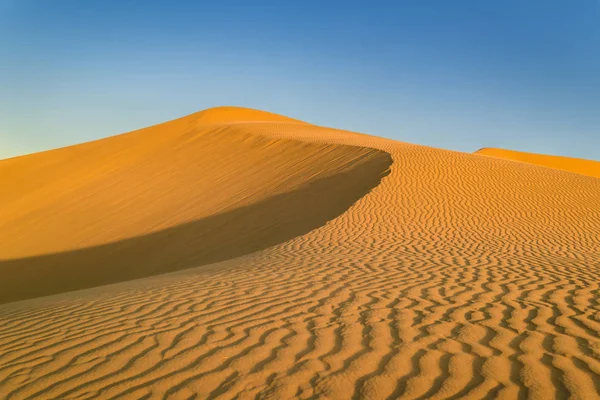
<point>304,262</point>
<point>185,193</point>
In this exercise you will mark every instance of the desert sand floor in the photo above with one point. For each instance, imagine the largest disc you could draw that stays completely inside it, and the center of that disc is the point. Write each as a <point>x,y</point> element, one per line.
<point>247,255</point>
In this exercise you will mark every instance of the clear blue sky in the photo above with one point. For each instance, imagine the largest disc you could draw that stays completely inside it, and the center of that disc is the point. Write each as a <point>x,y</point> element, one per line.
<point>518,74</point>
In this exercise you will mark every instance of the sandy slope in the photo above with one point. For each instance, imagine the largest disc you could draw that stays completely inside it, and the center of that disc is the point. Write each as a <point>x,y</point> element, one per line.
<point>182,194</point>
<point>577,165</point>
<point>454,276</point>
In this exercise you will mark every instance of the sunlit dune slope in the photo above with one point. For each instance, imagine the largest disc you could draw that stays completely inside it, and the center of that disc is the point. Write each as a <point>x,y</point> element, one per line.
<point>196,190</point>
<point>368,268</point>
<point>577,165</point>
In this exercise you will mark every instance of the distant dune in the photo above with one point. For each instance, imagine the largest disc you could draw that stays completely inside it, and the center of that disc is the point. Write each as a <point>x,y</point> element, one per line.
<point>235,253</point>
<point>577,165</point>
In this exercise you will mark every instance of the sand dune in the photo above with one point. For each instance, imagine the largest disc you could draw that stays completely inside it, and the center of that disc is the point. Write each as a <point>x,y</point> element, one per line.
<point>186,193</point>
<point>577,165</point>
<point>304,262</point>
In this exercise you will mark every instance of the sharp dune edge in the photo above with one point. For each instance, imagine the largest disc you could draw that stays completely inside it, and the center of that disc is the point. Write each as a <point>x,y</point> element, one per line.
<point>364,268</point>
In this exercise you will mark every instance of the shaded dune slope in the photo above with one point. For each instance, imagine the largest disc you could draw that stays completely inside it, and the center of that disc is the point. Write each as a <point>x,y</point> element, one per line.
<point>457,276</point>
<point>577,165</point>
<point>186,193</point>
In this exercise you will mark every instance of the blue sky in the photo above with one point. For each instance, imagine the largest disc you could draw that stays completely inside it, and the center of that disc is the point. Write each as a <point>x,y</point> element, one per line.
<point>460,75</point>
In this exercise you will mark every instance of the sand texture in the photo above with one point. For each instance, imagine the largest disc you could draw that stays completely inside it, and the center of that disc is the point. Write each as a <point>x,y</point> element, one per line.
<point>246,255</point>
<point>577,165</point>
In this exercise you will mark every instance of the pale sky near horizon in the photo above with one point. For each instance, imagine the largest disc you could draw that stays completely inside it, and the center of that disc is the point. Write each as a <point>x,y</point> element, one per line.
<point>522,75</point>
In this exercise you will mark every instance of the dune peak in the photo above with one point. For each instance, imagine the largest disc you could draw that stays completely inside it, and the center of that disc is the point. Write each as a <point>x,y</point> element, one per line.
<point>234,114</point>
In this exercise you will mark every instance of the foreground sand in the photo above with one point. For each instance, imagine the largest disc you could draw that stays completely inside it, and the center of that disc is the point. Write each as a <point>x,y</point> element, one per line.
<point>394,270</point>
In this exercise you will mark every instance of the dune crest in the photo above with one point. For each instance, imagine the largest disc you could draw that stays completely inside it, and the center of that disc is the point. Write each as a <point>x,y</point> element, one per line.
<point>454,276</point>
<point>570,164</point>
<point>228,114</point>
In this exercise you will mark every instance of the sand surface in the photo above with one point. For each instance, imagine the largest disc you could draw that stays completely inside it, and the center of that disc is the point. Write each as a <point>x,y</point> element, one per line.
<point>248,255</point>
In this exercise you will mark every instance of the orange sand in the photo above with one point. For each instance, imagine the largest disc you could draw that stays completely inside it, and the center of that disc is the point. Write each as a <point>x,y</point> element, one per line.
<point>577,165</point>
<point>304,262</point>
